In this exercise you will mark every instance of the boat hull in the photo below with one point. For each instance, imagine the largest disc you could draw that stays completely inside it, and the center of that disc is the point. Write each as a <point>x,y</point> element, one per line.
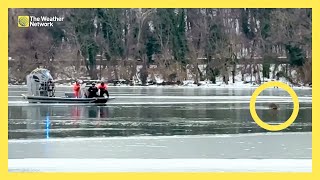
<point>43,99</point>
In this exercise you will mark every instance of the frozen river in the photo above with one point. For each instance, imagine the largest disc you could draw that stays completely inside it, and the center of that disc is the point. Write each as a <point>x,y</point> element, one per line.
<point>160,123</point>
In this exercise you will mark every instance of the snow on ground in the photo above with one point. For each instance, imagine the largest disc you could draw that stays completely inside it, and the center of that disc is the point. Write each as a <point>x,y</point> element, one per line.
<point>239,84</point>
<point>205,84</point>
<point>160,165</point>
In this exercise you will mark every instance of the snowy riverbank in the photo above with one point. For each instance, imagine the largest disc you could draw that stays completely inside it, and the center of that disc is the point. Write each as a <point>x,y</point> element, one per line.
<point>238,85</point>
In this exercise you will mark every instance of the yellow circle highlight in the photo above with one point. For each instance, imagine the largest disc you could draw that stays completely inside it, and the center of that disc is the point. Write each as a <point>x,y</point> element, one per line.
<point>267,126</point>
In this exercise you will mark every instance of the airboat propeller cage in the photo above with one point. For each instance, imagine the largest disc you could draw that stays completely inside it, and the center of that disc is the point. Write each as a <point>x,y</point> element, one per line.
<point>38,82</point>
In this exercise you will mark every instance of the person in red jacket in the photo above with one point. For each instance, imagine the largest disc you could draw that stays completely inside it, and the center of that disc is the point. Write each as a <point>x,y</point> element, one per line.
<point>76,89</point>
<point>103,88</point>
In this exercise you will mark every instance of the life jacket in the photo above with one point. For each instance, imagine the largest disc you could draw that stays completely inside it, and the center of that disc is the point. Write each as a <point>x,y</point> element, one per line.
<point>76,87</point>
<point>103,87</point>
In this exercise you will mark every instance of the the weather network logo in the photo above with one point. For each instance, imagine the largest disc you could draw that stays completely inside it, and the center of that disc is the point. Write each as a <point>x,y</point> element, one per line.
<point>23,21</point>
<point>38,21</point>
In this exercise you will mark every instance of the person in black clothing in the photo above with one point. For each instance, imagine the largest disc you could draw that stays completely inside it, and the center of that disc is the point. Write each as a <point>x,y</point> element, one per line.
<point>93,91</point>
<point>51,88</point>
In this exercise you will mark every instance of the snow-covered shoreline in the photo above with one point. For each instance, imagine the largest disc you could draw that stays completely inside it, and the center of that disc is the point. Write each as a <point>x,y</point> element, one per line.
<point>209,86</point>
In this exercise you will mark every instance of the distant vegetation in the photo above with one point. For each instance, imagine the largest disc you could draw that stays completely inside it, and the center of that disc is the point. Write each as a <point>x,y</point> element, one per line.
<point>170,43</point>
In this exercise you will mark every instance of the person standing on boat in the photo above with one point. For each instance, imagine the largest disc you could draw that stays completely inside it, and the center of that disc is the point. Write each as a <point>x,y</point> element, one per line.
<point>93,91</point>
<point>103,88</point>
<point>76,89</point>
<point>51,88</point>
<point>83,90</point>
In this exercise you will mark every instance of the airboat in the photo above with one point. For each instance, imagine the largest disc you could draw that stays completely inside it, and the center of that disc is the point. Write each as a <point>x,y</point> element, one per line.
<point>41,89</point>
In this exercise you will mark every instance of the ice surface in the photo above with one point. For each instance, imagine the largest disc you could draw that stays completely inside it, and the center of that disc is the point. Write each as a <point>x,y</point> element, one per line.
<point>160,165</point>
<point>236,146</point>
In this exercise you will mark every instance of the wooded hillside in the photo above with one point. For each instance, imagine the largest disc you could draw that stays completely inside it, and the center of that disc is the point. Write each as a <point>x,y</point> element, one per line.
<point>111,43</point>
